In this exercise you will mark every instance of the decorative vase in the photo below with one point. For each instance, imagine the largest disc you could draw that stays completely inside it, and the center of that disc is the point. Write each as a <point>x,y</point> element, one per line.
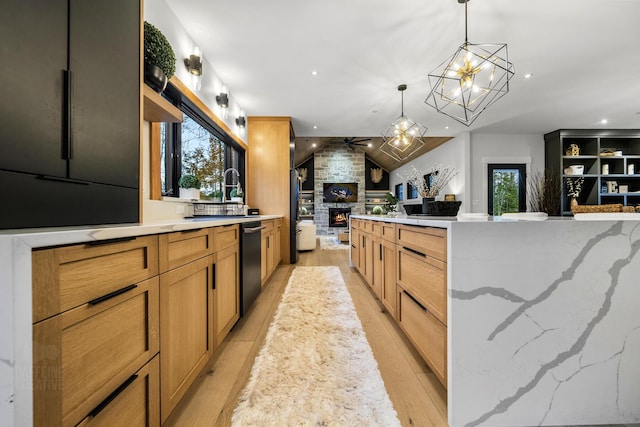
<point>155,77</point>
<point>574,202</point>
<point>425,204</point>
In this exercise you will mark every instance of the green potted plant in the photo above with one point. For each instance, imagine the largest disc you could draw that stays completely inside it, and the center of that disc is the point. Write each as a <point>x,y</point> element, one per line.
<point>216,195</point>
<point>159,58</point>
<point>237,195</point>
<point>189,187</point>
<point>392,203</point>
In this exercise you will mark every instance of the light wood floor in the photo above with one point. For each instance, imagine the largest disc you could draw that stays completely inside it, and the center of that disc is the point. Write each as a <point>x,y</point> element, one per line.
<point>418,397</point>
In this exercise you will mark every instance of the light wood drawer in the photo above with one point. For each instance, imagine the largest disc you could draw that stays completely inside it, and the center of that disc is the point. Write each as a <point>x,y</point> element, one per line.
<point>67,277</point>
<point>365,225</point>
<point>426,279</point>
<point>388,232</point>
<point>355,223</point>
<point>426,332</point>
<point>182,247</point>
<point>82,355</point>
<point>225,236</point>
<point>428,240</point>
<point>268,226</point>
<point>277,222</point>
<point>134,404</point>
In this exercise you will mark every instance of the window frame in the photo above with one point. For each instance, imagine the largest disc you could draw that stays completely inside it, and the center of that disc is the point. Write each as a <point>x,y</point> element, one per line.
<point>173,152</point>
<point>522,184</point>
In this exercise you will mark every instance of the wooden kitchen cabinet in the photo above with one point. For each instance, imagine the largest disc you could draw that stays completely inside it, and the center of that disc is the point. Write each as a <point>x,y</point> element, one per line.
<point>105,329</point>
<point>136,403</point>
<point>426,332</point>
<point>268,251</point>
<point>277,243</point>
<point>226,285</point>
<point>186,328</point>
<point>376,265</point>
<point>354,237</point>
<point>181,247</point>
<point>388,287</point>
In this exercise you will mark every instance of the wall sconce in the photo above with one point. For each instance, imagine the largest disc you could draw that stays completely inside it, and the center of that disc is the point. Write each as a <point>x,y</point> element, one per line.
<point>223,102</point>
<point>194,66</point>
<point>241,122</point>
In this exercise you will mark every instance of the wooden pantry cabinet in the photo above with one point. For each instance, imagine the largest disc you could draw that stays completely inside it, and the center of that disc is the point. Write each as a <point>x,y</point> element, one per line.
<point>95,312</point>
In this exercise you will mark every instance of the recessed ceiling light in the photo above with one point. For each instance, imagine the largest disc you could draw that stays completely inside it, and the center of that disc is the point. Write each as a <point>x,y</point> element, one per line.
<point>314,145</point>
<point>528,76</point>
<point>315,127</point>
<point>369,145</point>
<point>446,127</point>
<point>604,121</point>
<point>314,73</point>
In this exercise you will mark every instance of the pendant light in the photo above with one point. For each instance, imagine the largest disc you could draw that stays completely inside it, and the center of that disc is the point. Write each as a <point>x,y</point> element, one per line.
<point>404,136</point>
<point>476,76</point>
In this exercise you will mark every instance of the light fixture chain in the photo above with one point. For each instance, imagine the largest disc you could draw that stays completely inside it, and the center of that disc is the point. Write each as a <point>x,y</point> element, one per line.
<point>466,39</point>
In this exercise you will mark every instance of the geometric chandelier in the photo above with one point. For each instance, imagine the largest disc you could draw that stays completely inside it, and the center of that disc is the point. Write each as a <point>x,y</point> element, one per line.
<point>404,136</point>
<point>476,76</point>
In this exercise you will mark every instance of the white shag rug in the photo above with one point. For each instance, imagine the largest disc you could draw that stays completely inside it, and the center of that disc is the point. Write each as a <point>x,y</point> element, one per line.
<point>331,243</point>
<point>316,367</point>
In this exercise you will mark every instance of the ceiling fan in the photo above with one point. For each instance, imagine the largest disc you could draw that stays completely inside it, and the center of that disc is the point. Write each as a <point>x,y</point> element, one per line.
<point>354,141</point>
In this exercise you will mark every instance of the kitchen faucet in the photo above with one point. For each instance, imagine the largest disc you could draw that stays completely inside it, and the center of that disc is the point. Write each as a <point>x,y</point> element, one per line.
<point>224,182</point>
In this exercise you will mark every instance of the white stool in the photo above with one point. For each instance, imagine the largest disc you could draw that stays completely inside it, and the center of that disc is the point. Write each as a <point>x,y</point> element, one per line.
<point>307,236</point>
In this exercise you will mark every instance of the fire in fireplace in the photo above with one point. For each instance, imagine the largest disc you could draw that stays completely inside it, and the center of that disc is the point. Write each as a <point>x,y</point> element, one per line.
<point>339,217</point>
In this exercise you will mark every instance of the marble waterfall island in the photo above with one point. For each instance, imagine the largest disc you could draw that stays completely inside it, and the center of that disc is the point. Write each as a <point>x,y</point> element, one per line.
<point>543,323</point>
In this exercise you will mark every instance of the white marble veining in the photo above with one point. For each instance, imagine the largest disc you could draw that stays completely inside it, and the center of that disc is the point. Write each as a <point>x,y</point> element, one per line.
<point>16,402</point>
<point>543,324</point>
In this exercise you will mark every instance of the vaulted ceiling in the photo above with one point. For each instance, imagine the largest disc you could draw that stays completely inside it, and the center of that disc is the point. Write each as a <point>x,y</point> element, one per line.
<point>583,55</point>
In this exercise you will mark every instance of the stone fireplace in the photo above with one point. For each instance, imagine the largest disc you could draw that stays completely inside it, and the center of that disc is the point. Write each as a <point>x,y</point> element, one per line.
<point>339,217</point>
<point>336,162</point>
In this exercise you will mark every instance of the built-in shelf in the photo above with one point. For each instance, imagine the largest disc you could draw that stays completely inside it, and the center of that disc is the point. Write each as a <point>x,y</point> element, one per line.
<point>158,109</point>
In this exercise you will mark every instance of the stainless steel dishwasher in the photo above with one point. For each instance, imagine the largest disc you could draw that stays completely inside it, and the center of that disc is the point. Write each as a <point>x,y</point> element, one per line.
<point>250,264</point>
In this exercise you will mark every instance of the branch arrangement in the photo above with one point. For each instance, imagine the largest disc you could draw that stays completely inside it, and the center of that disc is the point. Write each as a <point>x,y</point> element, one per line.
<point>440,177</point>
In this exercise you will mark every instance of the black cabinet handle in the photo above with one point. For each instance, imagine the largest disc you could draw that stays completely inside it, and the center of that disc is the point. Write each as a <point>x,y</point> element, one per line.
<point>61,179</point>
<point>109,241</point>
<point>111,295</point>
<point>414,251</point>
<point>213,275</point>
<point>422,307</point>
<point>112,396</point>
<point>191,230</point>
<point>380,251</point>
<point>68,110</point>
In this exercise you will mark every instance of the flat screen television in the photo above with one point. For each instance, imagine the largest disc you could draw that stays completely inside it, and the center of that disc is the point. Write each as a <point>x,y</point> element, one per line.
<point>340,192</point>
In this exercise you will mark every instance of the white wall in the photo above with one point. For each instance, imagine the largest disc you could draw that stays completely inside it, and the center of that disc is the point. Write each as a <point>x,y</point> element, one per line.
<point>158,13</point>
<point>453,153</point>
<point>470,154</point>
<point>486,148</point>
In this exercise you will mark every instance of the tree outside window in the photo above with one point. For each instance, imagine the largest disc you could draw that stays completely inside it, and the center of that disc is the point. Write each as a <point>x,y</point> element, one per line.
<point>507,192</point>
<point>202,155</point>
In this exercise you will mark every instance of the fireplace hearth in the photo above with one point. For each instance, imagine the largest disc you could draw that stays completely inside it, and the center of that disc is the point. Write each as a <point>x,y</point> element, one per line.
<point>339,217</point>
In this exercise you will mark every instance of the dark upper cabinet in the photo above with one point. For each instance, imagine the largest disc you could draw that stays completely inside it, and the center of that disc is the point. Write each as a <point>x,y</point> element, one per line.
<point>104,58</point>
<point>33,52</point>
<point>70,111</point>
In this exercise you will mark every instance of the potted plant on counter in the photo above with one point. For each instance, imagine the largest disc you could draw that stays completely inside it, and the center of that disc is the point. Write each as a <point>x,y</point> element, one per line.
<point>159,58</point>
<point>189,187</point>
<point>237,195</point>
